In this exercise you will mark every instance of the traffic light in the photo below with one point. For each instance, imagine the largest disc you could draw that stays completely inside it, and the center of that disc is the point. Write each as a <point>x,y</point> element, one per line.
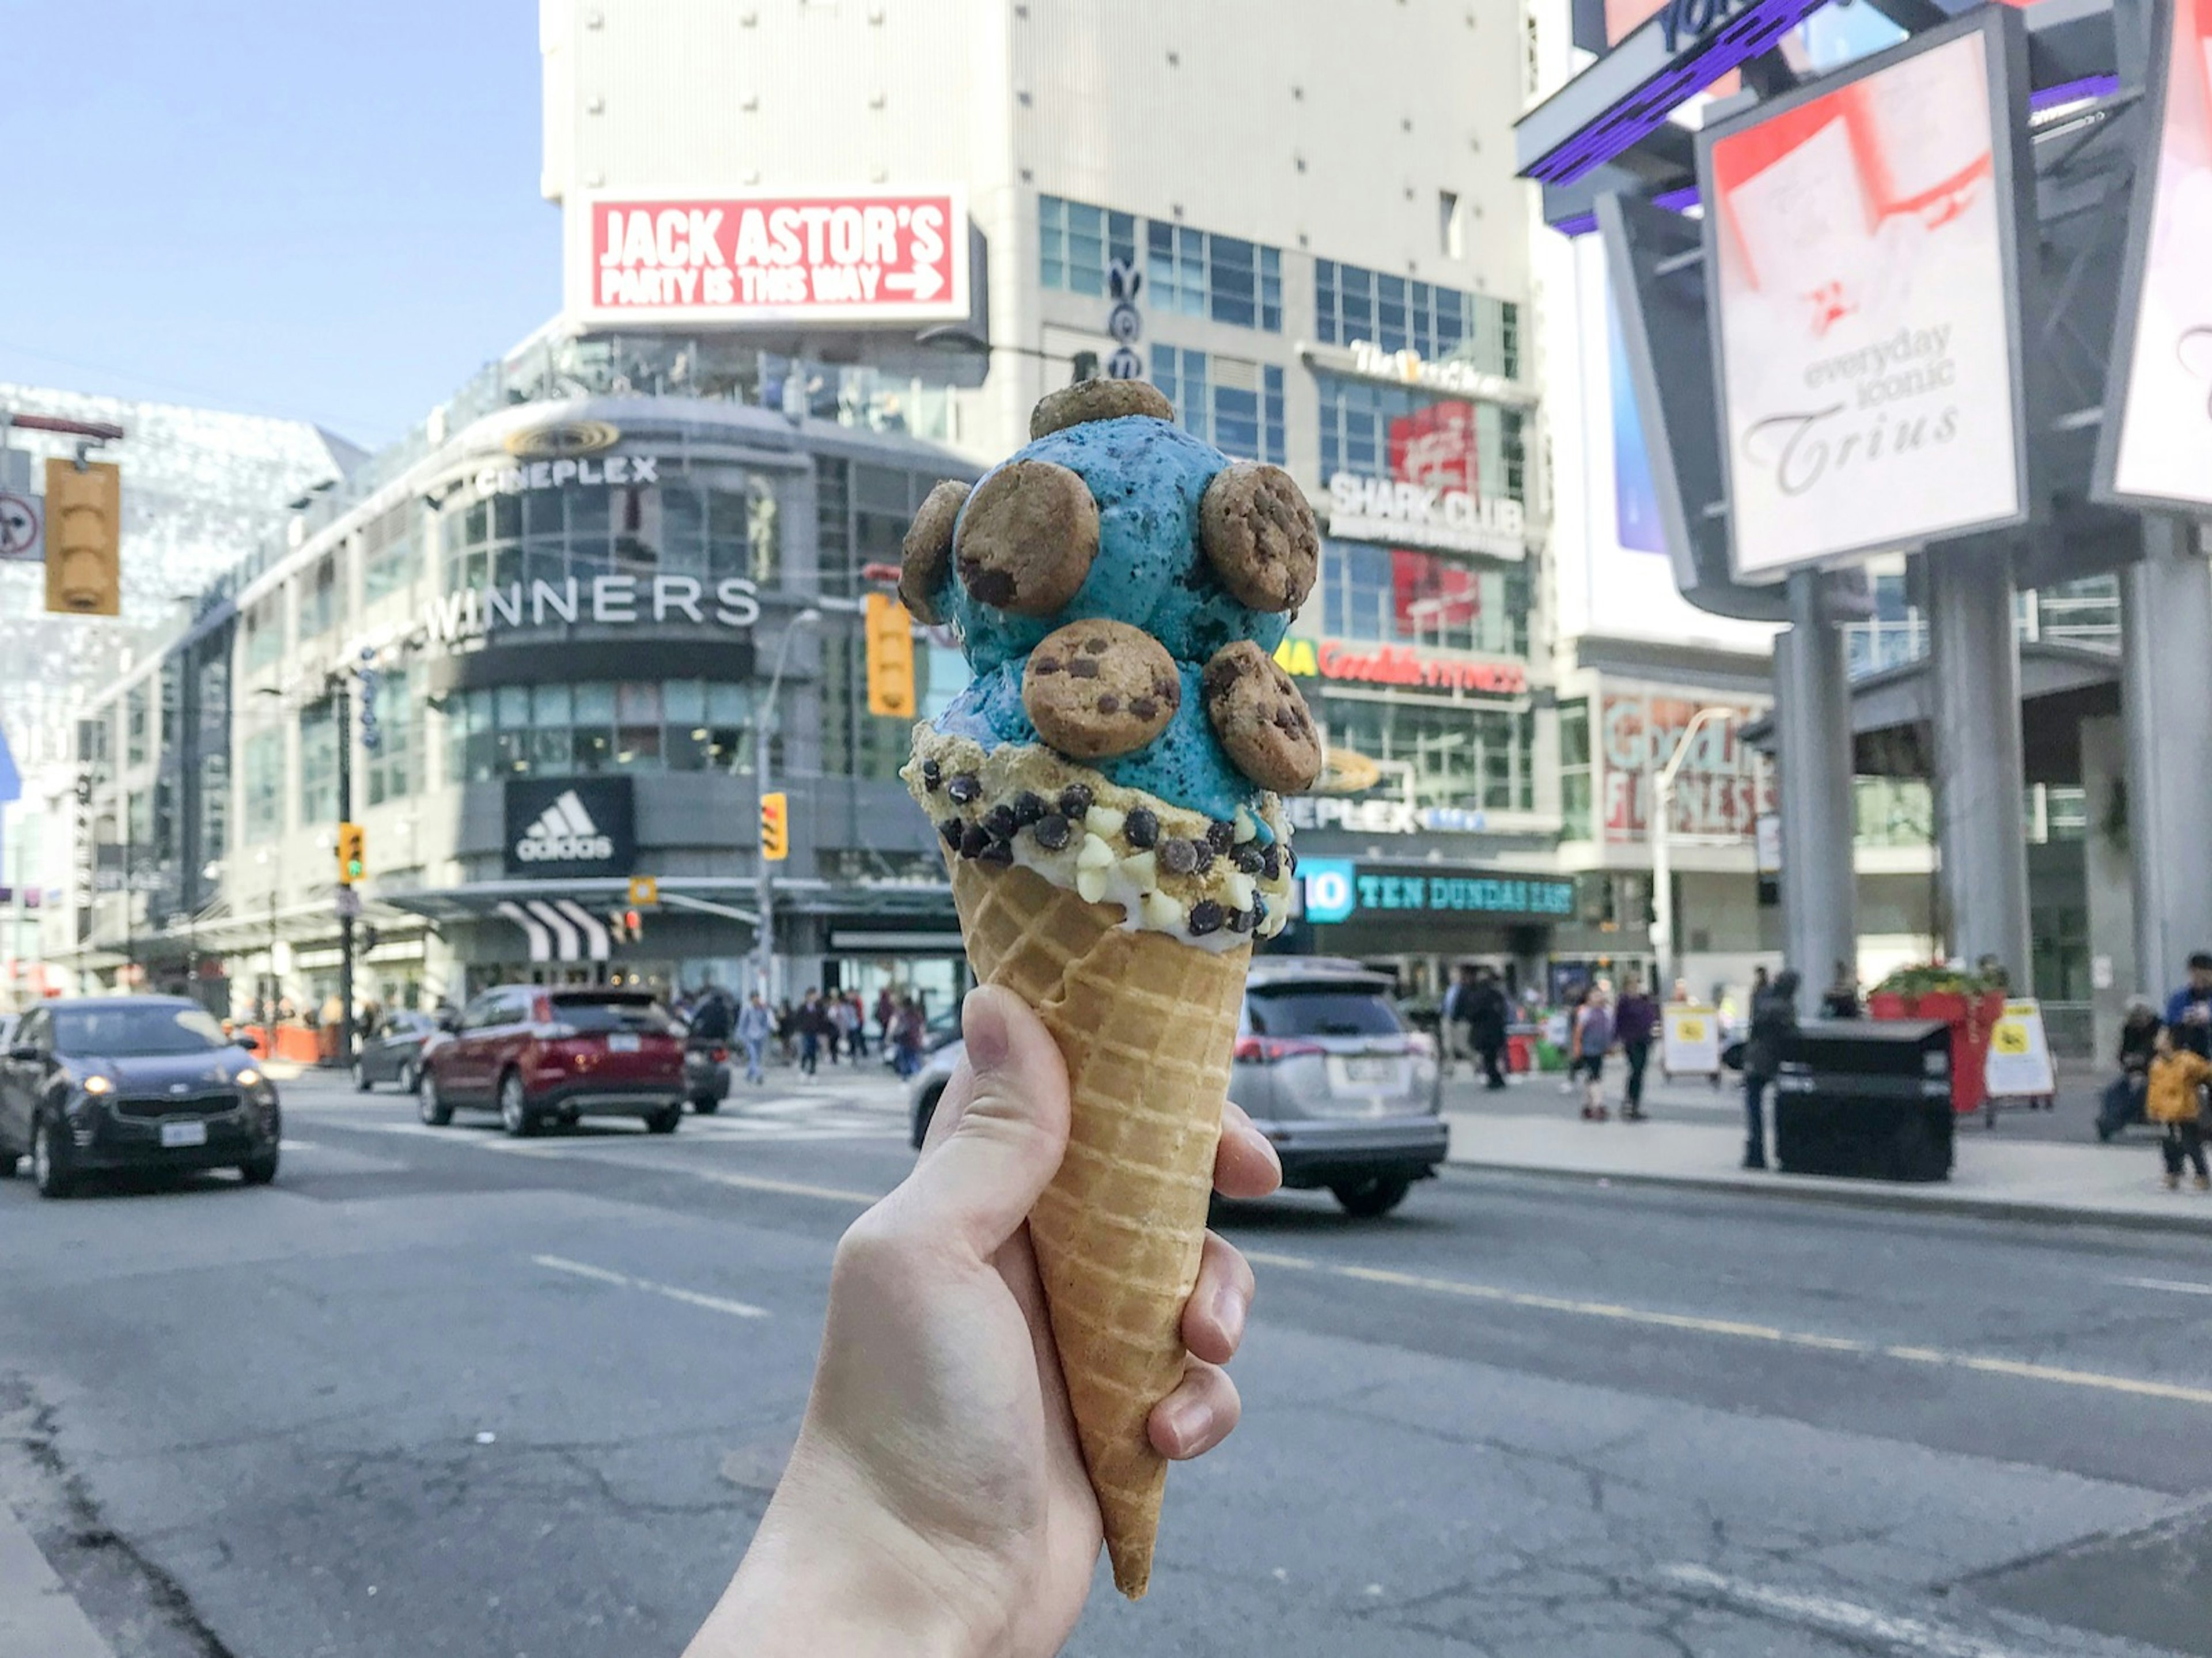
<point>84,527</point>
<point>891,658</point>
<point>775,826</point>
<point>353,854</point>
<point>633,925</point>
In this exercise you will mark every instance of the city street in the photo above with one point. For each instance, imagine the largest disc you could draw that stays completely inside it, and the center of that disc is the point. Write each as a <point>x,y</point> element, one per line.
<point>438,1392</point>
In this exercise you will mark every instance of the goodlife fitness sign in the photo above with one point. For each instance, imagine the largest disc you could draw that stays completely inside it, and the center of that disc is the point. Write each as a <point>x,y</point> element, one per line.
<point>846,258</point>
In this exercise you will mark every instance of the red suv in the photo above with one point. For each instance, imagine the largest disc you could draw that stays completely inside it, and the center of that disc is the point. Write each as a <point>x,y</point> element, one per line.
<point>532,1054</point>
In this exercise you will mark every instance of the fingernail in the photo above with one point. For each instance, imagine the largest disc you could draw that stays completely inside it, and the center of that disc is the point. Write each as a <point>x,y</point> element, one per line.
<point>1229,1307</point>
<point>983,1027</point>
<point>1185,1423</point>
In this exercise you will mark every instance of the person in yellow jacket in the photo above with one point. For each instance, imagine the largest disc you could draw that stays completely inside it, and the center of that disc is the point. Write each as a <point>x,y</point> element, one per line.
<point>2172,1100</point>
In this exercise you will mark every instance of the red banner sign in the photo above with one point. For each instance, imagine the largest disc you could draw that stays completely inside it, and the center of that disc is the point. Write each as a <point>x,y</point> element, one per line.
<point>897,256</point>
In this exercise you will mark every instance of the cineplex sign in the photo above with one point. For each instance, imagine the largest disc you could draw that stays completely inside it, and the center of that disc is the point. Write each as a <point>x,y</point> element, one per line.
<point>858,256</point>
<point>1424,515</point>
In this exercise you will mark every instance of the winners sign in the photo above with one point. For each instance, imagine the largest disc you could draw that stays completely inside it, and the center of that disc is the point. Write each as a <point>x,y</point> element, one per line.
<point>853,257</point>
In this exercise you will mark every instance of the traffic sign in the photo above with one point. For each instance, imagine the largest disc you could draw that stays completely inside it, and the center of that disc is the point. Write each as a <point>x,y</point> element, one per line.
<point>349,903</point>
<point>22,529</point>
<point>644,891</point>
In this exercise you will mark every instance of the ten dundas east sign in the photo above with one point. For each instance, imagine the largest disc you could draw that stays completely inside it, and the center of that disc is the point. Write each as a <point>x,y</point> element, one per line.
<point>1861,245</point>
<point>846,257</point>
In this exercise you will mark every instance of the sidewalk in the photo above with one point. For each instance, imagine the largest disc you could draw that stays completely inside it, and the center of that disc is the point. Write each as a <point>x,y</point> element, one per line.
<point>37,1614</point>
<point>1695,1140</point>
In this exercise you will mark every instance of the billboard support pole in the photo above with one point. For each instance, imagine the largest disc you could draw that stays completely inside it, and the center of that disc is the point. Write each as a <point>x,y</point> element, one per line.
<point>1812,723</point>
<point>1981,773</point>
<point>2166,682</point>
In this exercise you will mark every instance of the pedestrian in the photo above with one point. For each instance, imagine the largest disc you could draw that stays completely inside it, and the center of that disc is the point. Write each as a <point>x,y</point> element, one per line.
<point>1455,1020</point>
<point>1635,1020</point>
<point>1588,1038</point>
<point>857,1031</point>
<point>1841,999</point>
<point>2173,1098</point>
<point>887,1007</point>
<point>1773,1019</point>
<point>786,1029</point>
<point>714,1015</point>
<point>1489,1015</point>
<point>2123,1100</point>
<point>813,1024</point>
<point>935,1499</point>
<point>909,1028</point>
<point>2189,1010</point>
<point>754,1025</point>
<point>839,1017</point>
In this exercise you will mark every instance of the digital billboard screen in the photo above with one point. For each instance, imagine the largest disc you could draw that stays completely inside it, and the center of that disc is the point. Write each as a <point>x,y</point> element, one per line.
<point>1861,242</point>
<point>2156,448</point>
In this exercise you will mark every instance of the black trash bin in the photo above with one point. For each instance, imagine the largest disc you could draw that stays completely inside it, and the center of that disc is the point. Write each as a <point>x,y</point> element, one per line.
<point>1869,1098</point>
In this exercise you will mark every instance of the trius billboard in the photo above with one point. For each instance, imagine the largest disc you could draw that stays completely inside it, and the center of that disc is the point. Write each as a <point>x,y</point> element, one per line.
<point>1861,245</point>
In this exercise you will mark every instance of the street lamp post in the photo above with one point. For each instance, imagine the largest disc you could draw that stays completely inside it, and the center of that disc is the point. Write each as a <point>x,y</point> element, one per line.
<point>1662,829</point>
<point>764,714</point>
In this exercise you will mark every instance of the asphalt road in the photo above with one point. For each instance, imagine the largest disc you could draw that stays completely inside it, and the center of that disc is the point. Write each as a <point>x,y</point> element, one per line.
<point>439,1392</point>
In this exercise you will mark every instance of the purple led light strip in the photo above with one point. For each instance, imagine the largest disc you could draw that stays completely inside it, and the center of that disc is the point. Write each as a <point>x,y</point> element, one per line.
<point>2089,86</point>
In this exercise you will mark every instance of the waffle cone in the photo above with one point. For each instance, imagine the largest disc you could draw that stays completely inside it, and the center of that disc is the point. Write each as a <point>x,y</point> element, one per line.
<point>1147,1024</point>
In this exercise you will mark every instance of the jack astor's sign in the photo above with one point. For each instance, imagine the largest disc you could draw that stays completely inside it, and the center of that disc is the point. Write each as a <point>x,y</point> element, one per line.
<point>1398,665</point>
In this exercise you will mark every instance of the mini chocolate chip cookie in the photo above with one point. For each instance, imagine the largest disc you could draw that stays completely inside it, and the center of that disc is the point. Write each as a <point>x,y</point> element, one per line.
<point>1028,537</point>
<point>1096,399</point>
<point>1260,719</point>
<point>927,554</point>
<point>1260,536</point>
<point>1100,687</point>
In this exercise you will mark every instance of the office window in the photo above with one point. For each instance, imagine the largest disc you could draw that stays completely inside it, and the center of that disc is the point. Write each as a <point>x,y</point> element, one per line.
<point>1198,273</point>
<point>1450,236</point>
<point>599,726</point>
<point>1230,402</point>
<point>1453,755</point>
<point>1077,243</point>
<point>1362,421</point>
<point>1399,596</point>
<point>135,713</point>
<point>262,767</point>
<point>856,743</point>
<point>319,764</point>
<point>1395,313</point>
<point>395,770</point>
<point>390,553</point>
<point>1575,793</point>
<point>322,600</point>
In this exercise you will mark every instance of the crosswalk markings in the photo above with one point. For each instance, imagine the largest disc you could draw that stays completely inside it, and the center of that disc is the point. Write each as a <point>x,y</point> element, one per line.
<point>1859,1625</point>
<point>673,1293</point>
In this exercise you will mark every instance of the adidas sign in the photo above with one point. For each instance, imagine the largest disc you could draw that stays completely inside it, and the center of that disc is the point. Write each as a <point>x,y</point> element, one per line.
<point>563,834</point>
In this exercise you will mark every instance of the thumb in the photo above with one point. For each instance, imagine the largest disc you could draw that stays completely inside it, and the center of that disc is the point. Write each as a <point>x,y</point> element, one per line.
<point>1000,1135</point>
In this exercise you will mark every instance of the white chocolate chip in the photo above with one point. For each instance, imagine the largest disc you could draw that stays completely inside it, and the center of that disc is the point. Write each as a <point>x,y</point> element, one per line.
<point>1105,820</point>
<point>1091,884</point>
<point>1246,828</point>
<point>1095,854</point>
<point>1142,870</point>
<point>1236,889</point>
<point>1162,913</point>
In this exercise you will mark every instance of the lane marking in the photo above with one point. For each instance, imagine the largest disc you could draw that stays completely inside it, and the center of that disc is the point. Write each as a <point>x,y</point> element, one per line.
<point>1737,1329</point>
<point>2177,1286</point>
<point>1846,1619</point>
<point>288,1143</point>
<point>786,1187</point>
<point>623,1280</point>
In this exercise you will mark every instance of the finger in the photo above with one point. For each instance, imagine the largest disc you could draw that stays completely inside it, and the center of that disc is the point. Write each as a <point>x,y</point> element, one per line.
<point>1198,1415</point>
<point>1214,1317</point>
<point>1244,1165</point>
<point>1007,1129</point>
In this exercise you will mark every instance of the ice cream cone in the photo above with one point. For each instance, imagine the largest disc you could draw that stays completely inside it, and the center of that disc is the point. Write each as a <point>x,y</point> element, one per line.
<point>1147,1024</point>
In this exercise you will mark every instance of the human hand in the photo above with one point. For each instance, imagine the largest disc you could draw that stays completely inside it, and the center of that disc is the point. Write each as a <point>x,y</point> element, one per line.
<point>936,1500</point>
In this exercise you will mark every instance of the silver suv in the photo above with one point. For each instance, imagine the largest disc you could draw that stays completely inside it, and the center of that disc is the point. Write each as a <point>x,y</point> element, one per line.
<point>1328,1072</point>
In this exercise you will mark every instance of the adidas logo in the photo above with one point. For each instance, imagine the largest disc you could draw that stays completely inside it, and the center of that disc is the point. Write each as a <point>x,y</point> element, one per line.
<point>564,832</point>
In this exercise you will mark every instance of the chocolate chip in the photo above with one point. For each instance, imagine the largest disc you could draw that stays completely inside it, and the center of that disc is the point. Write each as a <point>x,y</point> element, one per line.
<point>994,587</point>
<point>1053,831</point>
<point>1028,807</point>
<point>964,788</point>
<point>1242,920</point>
<point>998,852</point>
<point>1205,854</point>
<point>1143,707</point>
<point>932,775</point>
<point>1096,646</point>
<point>1178,857</point>
<point>1221,835</point>
<point>1250,859</point>
<point>1108,703</point>
<point>1083,668</point>
<point>1142,827</point>
<point>1271,862</point>
<point>1047,665</point>
<point>950,829</point>
<point>973,841</point>
<point>1259,909</point>
<point>999,823</point>
<point>1290,861</point>
<point>1205,916</point>
<point>1075,800</point>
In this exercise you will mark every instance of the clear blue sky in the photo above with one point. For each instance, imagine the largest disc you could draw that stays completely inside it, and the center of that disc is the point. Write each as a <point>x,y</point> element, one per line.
<point>325,210</point>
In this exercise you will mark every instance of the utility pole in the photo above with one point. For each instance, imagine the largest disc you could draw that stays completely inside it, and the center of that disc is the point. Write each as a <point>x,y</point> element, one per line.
<point>342,715</point>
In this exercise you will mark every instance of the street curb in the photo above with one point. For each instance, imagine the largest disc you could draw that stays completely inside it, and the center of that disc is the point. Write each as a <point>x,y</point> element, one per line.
<point>2043,1214</point>
<point>38,1614</point>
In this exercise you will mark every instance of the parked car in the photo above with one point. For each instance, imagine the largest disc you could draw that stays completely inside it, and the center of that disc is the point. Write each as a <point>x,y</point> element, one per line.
<point>392,1053</point>
<point>1325,1069</point>
<point>535,1055</point>
<point>132,1082</point>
